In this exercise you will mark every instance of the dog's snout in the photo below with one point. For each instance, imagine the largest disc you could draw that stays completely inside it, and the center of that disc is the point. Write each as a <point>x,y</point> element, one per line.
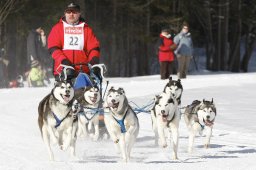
<point>95,94</point>
<point>67,91</point>
<point>113,100</point>
<point>163,111</point>
<point>208,117</point>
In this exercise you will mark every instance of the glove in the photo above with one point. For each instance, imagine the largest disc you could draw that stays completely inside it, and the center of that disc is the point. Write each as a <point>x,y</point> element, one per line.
<point>94,60</point>
<point>66,62</point>
<point>96,71</point>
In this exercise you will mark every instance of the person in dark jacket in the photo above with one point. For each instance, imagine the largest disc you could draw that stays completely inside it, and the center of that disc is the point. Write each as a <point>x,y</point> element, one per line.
<point>36,47</point>
<point>165,54</point>
<point>71,41</point>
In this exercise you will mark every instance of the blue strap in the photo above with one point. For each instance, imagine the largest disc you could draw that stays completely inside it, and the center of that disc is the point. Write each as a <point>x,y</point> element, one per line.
<point>121,123</point>
<point>146,108</point>
<point>58,121</point>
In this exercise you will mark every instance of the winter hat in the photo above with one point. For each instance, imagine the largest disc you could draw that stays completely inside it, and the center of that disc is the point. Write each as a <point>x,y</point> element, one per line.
<point>34,63</point>
<point>73,6</point>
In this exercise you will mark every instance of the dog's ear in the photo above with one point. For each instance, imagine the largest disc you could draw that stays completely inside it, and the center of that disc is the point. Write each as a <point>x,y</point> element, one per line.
<point>157,98</point>
<point>203,100</point>
<point>212,101</point>
<point>179,80</point>
<point>170,100</point>
<point>121,90</point>
<point>170,78</point>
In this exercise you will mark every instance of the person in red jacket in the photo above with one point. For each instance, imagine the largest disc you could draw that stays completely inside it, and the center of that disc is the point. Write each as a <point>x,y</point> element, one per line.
<point>71,41</point>
<point>165,54</point>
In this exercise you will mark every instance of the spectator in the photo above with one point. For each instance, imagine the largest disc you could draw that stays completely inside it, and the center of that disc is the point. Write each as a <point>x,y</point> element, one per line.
<point>36,75</point>
<point>184,50</point>
<point>36,47</point>
<point>71,41</point>
<point>165,54</point>
<point>3,69</point>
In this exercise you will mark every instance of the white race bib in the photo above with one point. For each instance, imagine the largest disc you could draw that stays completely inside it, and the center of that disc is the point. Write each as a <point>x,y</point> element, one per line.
<point>73,37</point>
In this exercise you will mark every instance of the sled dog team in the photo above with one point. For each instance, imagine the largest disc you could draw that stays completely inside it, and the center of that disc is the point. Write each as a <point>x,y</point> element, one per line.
<point>65,114</point>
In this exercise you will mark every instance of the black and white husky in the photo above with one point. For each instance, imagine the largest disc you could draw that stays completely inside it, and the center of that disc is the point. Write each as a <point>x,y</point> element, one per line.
<point>174,89</point>
<point>199,116</point>
<point>58,118</point>
<point>121,121</point>
<point>89,99</point>
<point>165,117</point>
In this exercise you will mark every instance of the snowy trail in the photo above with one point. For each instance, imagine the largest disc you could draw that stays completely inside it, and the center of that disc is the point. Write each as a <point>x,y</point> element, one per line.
<point>233,144</point>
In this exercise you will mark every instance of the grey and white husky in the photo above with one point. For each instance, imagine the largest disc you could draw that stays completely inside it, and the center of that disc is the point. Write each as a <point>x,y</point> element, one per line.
<point>58,118</point>
<point>121,121</point>
<point>165,116</point>
<point>174,88</point>
<point>199,116</point>
<point>89,99</point>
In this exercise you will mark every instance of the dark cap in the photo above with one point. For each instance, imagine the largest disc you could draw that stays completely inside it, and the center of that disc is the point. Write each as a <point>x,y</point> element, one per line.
<point>73,6</point>
<point>165,29</point>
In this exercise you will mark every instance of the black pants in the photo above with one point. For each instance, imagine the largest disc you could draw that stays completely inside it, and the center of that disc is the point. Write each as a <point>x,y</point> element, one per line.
<point>166,68</point>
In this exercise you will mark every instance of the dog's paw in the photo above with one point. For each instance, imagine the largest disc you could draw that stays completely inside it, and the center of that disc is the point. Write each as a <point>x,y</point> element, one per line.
<point>63,147</point>
<point>116,141</point>
<point>164,145</point>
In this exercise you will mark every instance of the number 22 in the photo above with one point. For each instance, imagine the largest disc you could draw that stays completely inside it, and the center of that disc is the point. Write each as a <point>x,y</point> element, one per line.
<point>73,41</point>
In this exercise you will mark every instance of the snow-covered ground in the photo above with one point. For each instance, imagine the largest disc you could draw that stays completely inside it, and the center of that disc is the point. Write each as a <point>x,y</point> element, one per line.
<point>233,144</point>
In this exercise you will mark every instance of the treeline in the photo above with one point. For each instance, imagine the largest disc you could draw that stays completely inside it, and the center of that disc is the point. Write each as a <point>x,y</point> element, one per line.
<point>128,30</point>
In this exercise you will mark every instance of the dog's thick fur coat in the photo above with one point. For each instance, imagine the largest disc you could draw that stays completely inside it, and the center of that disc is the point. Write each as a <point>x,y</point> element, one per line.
<point>165,116</point>
<point>199,116</point>
<point>126,131</point>
<point>58,118</point>
<point>89,99</point>
<point>174,88</point>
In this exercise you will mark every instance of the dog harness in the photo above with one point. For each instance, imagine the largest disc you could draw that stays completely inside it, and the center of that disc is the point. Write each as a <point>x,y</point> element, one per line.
<point>59,121</point>
<point>121,122</point>
<point>89,111</point>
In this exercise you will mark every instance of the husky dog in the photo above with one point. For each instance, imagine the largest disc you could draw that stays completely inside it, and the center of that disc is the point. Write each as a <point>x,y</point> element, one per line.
<point>199,117</point>
<point>89,98</point>
<point>58,118</point>
<point>121,121</point>
<point>165,115</point>
<point>174,88</point>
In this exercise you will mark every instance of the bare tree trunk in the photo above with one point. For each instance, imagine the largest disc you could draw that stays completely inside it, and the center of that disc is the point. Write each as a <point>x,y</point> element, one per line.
<point>234,62</point>
<point>249,44</point>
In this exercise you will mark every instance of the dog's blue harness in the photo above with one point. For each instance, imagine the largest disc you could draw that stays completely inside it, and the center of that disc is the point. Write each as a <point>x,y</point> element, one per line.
<point>121,123</point>
<point>59,121</point>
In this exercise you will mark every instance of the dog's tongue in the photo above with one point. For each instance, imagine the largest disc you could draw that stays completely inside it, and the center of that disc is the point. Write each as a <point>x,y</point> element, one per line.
<point>164,119</point>
<point>66,98</point>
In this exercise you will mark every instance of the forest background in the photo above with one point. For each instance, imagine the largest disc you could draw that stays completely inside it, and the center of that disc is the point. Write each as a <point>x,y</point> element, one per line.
<point>128,30</point>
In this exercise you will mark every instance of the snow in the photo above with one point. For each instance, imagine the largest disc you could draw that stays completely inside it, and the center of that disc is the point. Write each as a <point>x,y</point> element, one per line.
<point>233,144</point>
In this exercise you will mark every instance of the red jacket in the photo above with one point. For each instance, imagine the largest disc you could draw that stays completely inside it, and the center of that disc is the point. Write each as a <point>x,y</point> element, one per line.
<point>56,47</point>
<point>165,53</point>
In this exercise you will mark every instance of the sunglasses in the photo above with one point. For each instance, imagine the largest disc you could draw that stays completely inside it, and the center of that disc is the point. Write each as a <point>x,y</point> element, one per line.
<point>71,11</point>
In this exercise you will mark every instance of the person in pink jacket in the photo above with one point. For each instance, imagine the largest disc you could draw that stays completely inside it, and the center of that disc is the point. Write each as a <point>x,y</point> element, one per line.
<point>165,54</point>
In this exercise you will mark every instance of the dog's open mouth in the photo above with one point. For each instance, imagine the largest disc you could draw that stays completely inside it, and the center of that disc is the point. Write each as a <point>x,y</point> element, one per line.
<point>208,122</point>
<point>114,105</point>
<point>93,99</point>
<point>65,97</point>
<point>164,118</point>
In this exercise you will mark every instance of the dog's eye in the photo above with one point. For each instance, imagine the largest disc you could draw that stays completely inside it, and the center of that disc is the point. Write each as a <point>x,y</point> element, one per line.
<point>166,104</point>
<point>62,87</point>
<point>109,96</point>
